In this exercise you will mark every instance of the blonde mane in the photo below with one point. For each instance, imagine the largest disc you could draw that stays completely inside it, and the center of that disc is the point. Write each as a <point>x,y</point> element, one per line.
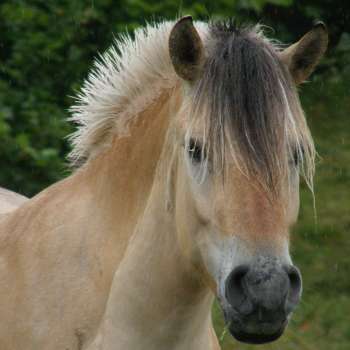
<point>124,81</point>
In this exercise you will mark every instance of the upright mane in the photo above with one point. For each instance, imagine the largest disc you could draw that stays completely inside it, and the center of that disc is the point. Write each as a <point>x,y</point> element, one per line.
<point>131,74</point>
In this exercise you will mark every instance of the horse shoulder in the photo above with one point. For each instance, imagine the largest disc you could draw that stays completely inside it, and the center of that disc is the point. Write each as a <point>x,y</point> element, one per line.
<point>51,270</point>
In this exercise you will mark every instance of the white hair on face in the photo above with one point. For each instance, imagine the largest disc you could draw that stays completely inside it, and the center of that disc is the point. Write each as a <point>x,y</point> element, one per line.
<point>124,81</point>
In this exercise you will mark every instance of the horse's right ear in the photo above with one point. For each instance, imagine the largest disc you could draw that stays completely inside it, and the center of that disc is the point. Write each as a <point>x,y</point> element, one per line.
<point>186,49</point>
<point>303,56</point>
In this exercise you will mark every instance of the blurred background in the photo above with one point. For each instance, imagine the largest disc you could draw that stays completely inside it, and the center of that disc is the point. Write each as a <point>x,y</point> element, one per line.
<point>46,50</point>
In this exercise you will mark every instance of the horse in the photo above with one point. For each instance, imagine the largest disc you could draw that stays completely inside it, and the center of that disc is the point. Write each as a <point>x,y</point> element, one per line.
<point>189,146</point>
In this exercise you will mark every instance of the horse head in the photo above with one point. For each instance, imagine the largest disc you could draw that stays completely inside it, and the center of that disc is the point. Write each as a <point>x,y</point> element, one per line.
<point>242,141</point>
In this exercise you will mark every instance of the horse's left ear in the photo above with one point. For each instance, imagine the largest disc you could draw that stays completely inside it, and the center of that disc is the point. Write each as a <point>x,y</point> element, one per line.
<point>303,56</point>
<point>186,49</point>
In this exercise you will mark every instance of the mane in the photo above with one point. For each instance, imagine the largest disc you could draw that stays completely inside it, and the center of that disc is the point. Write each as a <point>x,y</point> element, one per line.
<point>131,74</point>
<point>245,97</point>
<point>250,107</point>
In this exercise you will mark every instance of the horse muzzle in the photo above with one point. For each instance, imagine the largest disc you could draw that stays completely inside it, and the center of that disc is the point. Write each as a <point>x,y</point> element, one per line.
<point>260,298</point>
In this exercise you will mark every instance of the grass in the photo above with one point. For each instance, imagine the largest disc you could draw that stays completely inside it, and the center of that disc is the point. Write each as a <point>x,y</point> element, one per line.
<point>321,249</point>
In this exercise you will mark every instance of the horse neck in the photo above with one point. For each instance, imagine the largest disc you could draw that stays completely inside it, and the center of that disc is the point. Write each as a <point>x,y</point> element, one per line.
<point>155,301</point>
<point>115,185</point>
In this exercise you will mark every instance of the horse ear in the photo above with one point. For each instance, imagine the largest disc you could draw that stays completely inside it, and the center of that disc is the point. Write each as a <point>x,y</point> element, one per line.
<point>303,56</point>
<point>186,49</point>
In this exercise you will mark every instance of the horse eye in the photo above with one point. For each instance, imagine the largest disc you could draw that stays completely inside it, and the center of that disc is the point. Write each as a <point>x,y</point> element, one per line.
<point>195,151</point>
<point>297,156</point>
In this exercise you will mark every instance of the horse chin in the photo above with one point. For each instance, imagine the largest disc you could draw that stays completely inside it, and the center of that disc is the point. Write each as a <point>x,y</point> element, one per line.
<point>265,332</point>
<point>246,331</point>
<point>255,338</point>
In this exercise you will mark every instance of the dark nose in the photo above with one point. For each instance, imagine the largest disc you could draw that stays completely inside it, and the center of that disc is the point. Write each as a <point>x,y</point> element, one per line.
<point>265,291</point>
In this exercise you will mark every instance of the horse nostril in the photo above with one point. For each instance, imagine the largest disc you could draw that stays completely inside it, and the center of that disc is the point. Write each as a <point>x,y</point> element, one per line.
<point>234,290</point>
<point>295,286</point>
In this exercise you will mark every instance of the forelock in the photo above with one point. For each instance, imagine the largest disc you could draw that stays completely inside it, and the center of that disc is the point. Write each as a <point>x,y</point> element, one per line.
<point>249,103</point>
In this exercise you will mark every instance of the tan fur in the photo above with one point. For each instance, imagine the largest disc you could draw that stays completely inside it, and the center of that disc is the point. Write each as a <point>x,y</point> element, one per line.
<point>10,200</point>
<point>256,217</point>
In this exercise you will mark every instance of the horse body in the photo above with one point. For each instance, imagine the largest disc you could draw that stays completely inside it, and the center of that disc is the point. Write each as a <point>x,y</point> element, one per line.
<point>45,263</point>
<point>129,251</point>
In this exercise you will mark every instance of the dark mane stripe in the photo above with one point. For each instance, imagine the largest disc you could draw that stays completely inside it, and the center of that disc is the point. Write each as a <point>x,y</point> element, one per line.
<point>249,100</point>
